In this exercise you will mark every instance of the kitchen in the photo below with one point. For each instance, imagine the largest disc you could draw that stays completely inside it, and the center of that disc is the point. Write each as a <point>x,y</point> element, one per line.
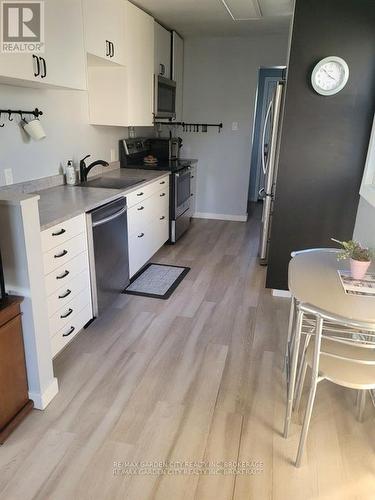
<point>212,230</point>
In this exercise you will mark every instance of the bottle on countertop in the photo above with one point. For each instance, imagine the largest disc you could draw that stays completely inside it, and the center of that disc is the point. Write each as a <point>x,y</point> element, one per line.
<point>70,174</point>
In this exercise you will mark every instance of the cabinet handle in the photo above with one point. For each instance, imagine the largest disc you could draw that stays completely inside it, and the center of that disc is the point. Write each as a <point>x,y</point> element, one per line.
<point>37,72</point>
<point>192,176</point>
<point>62,276</point>
<point>63,316</point>
<point>107,49</point>
<point>162,182</point>
<point>141,235</point>
<point>44,65</point>
<point>69,332</point>
<point>162,217</point>
<point>162,69</point>
<point>112,49</point>
<point>59,233</point>
<point>59,255</point>
<point>140,208</point>
<point>66,294</point>
<point>192,194</point>
<point>162,194</point>
<point>140,194</point>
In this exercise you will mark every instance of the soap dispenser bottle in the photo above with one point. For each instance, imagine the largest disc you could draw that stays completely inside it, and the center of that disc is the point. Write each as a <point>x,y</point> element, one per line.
<point>70,174</point>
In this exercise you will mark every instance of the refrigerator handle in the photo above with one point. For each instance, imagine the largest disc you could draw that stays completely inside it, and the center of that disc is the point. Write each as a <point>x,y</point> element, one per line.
<point>264,136</point>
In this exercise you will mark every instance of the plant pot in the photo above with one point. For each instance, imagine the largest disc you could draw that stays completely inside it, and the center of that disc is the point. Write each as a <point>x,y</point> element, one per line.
<point>358,269</point>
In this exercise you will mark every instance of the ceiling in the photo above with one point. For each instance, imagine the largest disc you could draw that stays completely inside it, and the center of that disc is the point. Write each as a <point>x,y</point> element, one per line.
<point>221,17</point>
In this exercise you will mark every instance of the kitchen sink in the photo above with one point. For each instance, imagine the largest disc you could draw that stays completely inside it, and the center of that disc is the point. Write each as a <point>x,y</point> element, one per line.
<point>111,183</point>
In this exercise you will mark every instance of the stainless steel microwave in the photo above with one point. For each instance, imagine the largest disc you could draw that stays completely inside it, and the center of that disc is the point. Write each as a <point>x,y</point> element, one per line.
<point>165,97</point>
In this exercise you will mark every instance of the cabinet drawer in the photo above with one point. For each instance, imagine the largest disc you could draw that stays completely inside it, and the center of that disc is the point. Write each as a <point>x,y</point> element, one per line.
<point>160,234</point>
<point>63,253</point>
<point>140,249</point>
<point>70,330</point>
<point>64,274</point>
<point>143,193</point>
<point>144,245</point>
<point>65,314</point>
<point>143,213</point>
<point>56,235</point>
<point>61,297</point>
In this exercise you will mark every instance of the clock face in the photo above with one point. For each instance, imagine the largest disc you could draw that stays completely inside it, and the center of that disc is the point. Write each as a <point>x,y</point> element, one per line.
<point>330,75</point>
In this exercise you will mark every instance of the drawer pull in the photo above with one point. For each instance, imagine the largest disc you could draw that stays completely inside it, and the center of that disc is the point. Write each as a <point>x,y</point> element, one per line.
<point>141,235</point>
<point>59,233</point>
<point>69,332</point>
<point>162,182</point>
<point>140,194</point>
<point>66,294</point>
<point>63,316</point>
<point>141,208</point>
<point>62,276</point>
<point>162,194</point>
<point>162,217</point>
<point>59,255</point>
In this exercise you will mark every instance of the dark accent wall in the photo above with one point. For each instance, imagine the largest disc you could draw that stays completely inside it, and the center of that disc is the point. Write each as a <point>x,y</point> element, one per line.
<point>324,140</point>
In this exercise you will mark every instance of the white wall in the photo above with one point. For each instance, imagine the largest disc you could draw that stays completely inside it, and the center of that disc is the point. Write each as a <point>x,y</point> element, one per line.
<point>220,82</point>
<point>69,135</point>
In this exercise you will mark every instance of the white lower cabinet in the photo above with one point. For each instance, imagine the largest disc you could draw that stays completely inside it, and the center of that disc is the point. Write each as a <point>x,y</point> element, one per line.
<point>148,223</point>
<point>67,280</point>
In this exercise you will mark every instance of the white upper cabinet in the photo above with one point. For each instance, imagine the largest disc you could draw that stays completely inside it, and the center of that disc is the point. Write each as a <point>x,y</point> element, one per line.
<point>104,29</point>
<point>63,62</point>
<point>178,71</point>
<point>64,58</point>
<point>163,48</point>
<point>139,61</point>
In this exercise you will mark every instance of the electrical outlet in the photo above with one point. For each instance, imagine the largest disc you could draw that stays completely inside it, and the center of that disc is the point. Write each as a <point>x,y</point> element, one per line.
<point>113,155</point>
<point>8,174</point>
<point>235,126</point>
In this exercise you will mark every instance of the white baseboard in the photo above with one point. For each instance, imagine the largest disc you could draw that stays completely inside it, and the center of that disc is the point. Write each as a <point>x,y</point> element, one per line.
<point>234,218</point>
<point>41,401</point>
<point>281,293</point>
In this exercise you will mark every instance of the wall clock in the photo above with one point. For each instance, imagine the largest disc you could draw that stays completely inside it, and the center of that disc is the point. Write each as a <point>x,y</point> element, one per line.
<point>330,75</point>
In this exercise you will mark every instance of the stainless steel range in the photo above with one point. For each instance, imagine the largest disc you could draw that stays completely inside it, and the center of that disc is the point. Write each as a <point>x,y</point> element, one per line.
<point>132,154</point>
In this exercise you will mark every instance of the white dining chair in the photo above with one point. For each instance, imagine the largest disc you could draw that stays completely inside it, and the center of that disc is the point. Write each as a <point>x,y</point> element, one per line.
<point>338,350</point>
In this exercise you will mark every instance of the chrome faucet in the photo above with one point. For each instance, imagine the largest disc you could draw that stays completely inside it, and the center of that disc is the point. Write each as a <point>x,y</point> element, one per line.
<point>84,171</point>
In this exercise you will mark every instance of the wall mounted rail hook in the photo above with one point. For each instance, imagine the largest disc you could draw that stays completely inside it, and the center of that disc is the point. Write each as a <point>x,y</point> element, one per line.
<point>10,115</point>
<point>1,124</point>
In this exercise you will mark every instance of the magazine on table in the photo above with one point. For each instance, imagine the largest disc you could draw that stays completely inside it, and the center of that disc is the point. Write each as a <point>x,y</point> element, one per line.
<point>364,287</point>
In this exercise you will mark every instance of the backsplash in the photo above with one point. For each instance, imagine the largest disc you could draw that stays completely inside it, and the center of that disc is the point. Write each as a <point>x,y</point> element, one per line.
<point>52,181</point>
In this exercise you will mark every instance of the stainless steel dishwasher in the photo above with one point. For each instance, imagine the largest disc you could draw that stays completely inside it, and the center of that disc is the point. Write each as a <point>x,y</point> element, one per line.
<point>108,253</point>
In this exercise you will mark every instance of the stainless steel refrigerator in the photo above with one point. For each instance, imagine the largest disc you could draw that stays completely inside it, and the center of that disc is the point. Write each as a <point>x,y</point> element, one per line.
<point>269,151</point>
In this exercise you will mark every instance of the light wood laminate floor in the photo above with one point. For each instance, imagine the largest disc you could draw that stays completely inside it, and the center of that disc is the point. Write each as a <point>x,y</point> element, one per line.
<point>195,378</point>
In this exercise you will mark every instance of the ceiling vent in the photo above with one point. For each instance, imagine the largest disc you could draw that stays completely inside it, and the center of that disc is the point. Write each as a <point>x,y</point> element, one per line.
<point>243,10</point>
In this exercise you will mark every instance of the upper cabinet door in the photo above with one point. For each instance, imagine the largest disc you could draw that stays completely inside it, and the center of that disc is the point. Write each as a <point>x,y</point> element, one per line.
<point>104,29</point>
<point>139,47</point>
<point>63,62</point>
<point>163,45</point>
<point>178,72</point>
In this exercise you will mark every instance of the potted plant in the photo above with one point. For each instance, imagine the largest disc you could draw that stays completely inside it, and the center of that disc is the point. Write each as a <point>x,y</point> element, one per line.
<point>360,257</point>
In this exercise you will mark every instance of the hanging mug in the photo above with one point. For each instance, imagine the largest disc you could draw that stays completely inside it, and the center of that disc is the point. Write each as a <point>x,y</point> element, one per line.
<point>34,129</point>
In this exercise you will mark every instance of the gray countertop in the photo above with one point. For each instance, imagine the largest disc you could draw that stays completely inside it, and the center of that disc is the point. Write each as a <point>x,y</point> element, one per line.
<point>60,203</point>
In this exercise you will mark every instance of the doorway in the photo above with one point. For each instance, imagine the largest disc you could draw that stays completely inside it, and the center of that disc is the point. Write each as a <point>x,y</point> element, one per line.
<point>267,81</point>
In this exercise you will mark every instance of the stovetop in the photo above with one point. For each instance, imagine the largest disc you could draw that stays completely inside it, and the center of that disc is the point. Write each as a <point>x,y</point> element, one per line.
<point>169,165</point>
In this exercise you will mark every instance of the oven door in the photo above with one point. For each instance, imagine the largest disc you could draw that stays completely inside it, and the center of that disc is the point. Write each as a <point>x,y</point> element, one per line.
<point>181,192</point>
<point>165,97</point>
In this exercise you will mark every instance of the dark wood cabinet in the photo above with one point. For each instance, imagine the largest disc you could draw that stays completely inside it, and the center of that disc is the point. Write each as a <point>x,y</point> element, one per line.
<point>14,399</point>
